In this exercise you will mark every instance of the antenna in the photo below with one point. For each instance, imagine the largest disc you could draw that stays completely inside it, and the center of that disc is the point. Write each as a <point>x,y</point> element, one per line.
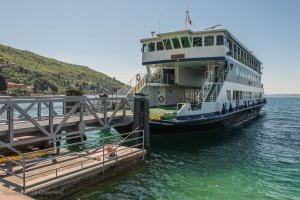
<point>159,20</point>
<point>152,33</point>
<point>213,27</point>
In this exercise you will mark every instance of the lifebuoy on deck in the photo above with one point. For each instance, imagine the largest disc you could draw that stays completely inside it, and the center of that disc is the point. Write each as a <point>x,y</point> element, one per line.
<point>161,99</point>
<point>138,77</point>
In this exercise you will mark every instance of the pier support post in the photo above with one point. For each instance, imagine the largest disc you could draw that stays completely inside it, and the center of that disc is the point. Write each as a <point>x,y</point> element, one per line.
<point>10,118</point>
<point>141,117</point>
<point>146,125</point>
<point>80,127</point>
<point>103,107</point>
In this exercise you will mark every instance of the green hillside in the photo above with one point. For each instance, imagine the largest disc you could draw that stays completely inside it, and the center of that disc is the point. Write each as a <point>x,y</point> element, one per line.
<point>49,75</point>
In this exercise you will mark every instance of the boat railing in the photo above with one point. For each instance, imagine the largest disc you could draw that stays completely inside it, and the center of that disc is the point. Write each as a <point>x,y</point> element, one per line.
<point>217,86</point>
<point>134,85</point>
<point>209,78</point>
<point>140,84</point>
<point>163,78</point>
<point>241,59</point>
<point>83,158</point>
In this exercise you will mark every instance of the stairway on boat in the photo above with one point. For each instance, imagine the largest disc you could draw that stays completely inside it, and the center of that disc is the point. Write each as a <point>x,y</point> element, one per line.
<point>210,90</point>
<point>210,93</point>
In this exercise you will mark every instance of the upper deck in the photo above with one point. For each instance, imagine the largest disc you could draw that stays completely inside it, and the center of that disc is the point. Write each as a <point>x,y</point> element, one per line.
<point>187,45</point>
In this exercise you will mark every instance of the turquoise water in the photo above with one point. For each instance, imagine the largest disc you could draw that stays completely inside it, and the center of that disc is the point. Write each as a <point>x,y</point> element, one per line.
<point>258,159</point>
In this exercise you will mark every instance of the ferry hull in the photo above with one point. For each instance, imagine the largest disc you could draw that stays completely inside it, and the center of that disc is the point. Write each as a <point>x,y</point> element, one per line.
<point>231,118</point>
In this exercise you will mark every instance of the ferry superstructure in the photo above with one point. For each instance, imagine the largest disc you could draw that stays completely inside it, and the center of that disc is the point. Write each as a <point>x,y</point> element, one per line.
<point>208,77</point>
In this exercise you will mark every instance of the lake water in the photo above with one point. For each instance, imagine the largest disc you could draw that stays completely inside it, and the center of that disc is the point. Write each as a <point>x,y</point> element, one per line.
<point>258,159</point>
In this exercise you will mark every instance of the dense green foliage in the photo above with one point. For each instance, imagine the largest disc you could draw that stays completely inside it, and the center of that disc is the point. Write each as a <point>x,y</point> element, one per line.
<point>51,75</point>
<point>3,85</point>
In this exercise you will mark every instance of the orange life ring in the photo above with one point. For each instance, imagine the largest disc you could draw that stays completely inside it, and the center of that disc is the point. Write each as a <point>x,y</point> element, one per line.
<point>138,77</point>
<point>109,148</point>
<point>161,99</point>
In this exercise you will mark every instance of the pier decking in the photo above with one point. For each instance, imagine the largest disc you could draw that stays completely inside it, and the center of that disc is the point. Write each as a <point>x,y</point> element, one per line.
<point>61,175</point>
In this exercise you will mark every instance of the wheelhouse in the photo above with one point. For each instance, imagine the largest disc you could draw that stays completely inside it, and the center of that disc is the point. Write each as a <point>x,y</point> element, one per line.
<point>187,45</point>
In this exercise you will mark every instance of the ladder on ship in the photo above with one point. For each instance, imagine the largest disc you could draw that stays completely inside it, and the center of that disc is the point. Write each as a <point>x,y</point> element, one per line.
<point>211,87</point>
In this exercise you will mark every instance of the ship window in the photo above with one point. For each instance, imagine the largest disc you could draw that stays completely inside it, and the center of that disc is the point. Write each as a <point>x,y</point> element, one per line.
<point>151,46</point>
<point>229,44</point>
<point>145,48</point>
<point>159,46</point>
<point>176,43</point>
<point>209,41</point>
<point>167,43</point>
<point>234,95</point>
<point>197,41</point>
<point>185,42</point>
<point>226,42</point>
<point>220,40</point>
<point>228,95</point>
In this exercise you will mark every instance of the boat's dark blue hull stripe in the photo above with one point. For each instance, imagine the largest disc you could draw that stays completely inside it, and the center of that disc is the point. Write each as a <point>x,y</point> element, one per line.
<point>191,119</point>
<point>206,115</point>
<point>184,60</point>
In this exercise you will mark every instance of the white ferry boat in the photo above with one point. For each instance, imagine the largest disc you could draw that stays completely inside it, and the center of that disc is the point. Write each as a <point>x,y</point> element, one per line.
<point>199,78</point>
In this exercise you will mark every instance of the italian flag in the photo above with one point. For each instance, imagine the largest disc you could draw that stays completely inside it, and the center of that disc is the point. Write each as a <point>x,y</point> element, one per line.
<point>188,20</point>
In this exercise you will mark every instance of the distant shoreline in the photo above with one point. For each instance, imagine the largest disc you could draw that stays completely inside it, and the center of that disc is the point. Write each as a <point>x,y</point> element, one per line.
<point>282,95</point>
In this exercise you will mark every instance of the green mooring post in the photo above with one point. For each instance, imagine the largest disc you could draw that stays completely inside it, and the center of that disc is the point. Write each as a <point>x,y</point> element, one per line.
<point>141,117</point>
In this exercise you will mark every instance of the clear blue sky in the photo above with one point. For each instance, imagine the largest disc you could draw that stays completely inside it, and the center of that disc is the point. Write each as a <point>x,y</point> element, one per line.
<point>105,34</point>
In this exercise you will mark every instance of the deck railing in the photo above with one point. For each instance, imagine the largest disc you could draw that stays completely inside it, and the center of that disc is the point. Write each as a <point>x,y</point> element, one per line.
<point>209,79</point>
<point>134,85</point>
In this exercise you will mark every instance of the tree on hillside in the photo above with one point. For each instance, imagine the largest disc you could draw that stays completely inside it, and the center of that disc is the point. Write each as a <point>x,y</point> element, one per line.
<point>3,84</point>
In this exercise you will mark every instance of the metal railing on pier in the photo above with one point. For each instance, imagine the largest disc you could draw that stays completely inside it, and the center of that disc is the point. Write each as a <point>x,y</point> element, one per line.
<point>49,116</point>
<point>26,173</point>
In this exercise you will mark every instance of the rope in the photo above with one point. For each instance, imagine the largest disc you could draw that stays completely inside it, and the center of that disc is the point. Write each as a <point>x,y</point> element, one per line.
<point>109,147</point>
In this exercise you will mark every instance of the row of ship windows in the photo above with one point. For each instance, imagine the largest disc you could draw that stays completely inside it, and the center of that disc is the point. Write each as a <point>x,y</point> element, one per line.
<point>238,95</point>
<point>182,42</point>
<point>185,42</point>
<point>248,75</point>
<point>238,53</point>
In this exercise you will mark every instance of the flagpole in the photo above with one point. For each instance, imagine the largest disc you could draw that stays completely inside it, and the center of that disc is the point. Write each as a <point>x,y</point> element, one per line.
<point>159,22</point>
<point>187,17</point>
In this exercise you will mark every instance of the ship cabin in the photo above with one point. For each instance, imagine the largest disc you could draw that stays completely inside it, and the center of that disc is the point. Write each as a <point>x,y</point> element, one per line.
<point>180,63</point>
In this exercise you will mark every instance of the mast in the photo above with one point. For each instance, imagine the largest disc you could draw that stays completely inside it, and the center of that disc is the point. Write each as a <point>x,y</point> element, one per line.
<point>188,21</point>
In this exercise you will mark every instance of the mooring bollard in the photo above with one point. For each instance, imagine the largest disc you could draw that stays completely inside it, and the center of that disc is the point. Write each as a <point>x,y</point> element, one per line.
<point>141,117</point>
